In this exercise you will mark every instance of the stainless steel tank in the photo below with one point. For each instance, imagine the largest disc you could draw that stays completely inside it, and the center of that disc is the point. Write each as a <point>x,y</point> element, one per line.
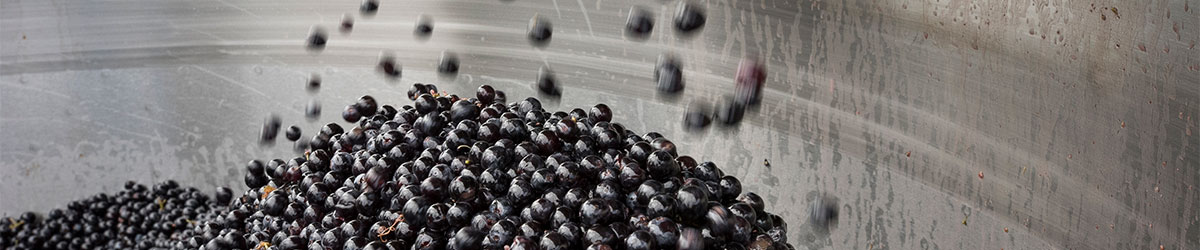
<point>933,124</point>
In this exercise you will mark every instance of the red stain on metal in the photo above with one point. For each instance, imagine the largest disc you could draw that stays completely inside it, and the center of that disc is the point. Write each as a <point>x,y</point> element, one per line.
<point>980,174</point>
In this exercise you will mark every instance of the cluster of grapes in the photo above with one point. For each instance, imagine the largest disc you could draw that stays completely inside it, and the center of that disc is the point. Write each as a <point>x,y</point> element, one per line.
<point>450,172</point>
<point>447,172</point>
<point>444,173</point>
<point>134,218</point>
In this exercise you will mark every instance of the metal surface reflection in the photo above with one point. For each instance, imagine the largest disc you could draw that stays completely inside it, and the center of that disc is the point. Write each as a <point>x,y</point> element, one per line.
<point>1079,119</point>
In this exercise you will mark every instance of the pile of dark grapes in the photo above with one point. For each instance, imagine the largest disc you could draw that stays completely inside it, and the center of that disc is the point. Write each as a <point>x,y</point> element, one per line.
<point>446,172</point>
<point>451,172</point>
<point>137,217</point>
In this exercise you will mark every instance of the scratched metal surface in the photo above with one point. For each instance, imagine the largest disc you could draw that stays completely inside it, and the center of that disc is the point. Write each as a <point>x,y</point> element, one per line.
<point>1081,116</point>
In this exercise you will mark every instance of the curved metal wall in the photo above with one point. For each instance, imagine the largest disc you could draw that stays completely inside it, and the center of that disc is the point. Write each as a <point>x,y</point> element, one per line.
<point>937,124</point>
